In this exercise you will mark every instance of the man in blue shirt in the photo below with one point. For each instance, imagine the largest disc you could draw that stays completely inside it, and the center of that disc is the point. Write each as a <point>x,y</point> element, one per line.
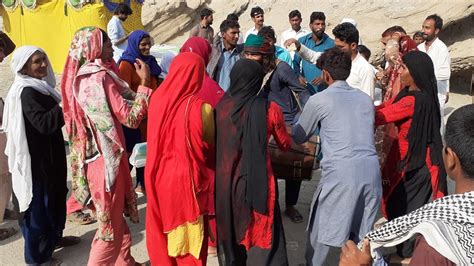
<point>225,52</point>
<point>317,41</point>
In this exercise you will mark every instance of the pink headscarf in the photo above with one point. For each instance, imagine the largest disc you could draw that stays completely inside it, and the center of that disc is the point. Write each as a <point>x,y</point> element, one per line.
<point>88,119</point>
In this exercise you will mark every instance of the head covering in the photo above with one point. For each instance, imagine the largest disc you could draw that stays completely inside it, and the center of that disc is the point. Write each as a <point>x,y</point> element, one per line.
<point>402,47</point>
<point>407,45</point>
<point>446,224</point>
<point>199,46</point>
<point>424,130</point>
<point>165,63</point>
<point>349,20</point>
<point>241,171</point>
<point>6,42</point>
<point>256,44</point>
<point>45,85</point>
<point>250,114</point>
<point>210,92</point>
<point>133,52</point>
<point>174,159</point>
<point>19,160</point>
<point>88,119</point>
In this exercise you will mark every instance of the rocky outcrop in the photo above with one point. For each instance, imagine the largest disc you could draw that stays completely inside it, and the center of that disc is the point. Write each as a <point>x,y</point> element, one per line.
<point>170,21</point>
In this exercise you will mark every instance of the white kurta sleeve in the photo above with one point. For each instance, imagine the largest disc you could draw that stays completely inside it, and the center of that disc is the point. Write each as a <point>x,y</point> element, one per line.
<point>309,55</point>
<point>443,71</point>
<point>368,82</point>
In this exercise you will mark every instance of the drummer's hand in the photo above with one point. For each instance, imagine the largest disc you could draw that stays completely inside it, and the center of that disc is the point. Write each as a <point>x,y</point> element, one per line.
<point>317,81</point>
<point>351,255</point>
<point>302,81</point>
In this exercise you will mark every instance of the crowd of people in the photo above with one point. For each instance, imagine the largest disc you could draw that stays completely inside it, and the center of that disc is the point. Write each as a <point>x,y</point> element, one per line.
<point>207,115</point>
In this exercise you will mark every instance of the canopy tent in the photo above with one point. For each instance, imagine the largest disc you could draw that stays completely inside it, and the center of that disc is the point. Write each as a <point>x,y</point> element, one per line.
<point>50,24</point>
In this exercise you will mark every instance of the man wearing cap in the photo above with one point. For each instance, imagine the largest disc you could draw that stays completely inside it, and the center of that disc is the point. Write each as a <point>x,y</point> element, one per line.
<point>256,13</point>
<point>255,48</point>
<point>353,22</point>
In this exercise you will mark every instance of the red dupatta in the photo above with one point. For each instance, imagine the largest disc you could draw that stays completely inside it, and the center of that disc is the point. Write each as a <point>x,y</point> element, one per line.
<point>176,188</point>
<point>210,91</point>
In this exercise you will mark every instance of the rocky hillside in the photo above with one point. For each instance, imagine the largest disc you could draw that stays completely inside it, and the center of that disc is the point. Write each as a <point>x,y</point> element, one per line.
<point>170,21</point>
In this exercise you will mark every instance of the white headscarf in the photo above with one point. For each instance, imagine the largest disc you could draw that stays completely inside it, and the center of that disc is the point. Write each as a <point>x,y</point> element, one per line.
<point>165,63</point>
<point>19,159</point>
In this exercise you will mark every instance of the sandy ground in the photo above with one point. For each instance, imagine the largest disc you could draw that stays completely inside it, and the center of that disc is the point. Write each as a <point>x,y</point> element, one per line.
<point>11,250</point>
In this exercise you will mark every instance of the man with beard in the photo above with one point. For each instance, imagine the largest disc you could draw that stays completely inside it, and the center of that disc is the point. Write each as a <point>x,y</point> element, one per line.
<point>225,52</point>
<point>348,196</point>
<point>362,75</point>
<point>204,29</point>
<point>116,32</point>
<point>296,30</point>
<point>439,53</point>
<point>256,13</point>
<point>317,41</point>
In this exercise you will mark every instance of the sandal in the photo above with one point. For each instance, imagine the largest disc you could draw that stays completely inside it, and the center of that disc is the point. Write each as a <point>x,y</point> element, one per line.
<point>67,241</point>
<point>80,218</point>
<point>7,233</point>
<point>294,215</point>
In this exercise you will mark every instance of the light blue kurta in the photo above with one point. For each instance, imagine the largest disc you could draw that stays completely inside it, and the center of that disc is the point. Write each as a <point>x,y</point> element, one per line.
<point>348,196</point>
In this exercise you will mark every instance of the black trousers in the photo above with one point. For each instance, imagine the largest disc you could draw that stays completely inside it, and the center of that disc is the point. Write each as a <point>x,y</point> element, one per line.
<point>292,192</point>
<point>412,193</point>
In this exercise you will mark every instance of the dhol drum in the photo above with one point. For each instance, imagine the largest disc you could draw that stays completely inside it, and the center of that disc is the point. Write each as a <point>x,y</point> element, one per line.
<point>298,162</point>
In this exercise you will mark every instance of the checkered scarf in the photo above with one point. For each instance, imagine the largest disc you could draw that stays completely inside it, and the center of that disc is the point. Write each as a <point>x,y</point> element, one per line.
<point>447,224</point>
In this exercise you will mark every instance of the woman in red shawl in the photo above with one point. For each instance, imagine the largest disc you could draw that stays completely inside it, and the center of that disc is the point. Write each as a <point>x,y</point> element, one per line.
<point>247,210</point>
<point>180,134</point>
<point>210,93</point>
<point>96,103</point>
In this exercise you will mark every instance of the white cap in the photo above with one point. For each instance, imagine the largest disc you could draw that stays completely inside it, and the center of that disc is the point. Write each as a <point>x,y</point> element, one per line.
<point>349,20</point>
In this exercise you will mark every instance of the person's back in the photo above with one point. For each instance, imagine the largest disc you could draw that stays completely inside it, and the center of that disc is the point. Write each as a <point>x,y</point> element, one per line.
<point>347,132</point>
<point>283,87</point>
<point>350,187</point>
